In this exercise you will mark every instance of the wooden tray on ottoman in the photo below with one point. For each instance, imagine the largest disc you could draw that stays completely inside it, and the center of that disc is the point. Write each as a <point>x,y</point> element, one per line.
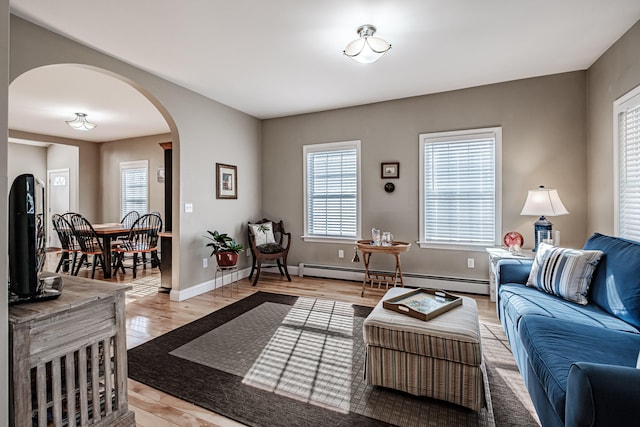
<point>423,304</point>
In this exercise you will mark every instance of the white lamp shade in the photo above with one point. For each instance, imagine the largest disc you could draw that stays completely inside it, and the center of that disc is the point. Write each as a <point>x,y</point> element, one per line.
<point>543,202</point>
<point>80,122</point>
<point>367,49</point>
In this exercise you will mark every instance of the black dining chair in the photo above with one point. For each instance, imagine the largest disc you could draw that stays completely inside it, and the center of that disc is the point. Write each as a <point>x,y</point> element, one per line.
<point>142,239</point>
<point>127,220</point>
<point>68,215</point>
<point>144,255</point>
<point>89,244</point>
<point>70,247</point>
<point>130,218</point>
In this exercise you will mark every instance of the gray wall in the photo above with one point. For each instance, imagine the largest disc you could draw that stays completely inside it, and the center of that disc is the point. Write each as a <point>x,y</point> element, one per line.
<point>127,150</point>
<point>27,159</point>
<point>203,132</point>
<point>83,160</point>
<point>545,133</point>
<point>611,76</point>
<point>544,143</point>
<point>4,130</point>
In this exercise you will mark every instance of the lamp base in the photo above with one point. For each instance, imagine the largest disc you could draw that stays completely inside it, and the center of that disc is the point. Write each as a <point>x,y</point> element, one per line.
<point>544,225</point>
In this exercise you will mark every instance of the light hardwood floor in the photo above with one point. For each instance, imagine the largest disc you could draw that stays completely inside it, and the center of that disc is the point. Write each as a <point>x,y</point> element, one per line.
<point>154,315</point>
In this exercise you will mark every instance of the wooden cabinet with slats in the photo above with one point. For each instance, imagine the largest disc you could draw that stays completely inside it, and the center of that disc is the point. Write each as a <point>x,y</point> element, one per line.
<point>68,358</point>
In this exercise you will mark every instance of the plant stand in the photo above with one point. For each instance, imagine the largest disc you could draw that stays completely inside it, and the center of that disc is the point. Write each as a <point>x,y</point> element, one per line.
<point>222,270</point>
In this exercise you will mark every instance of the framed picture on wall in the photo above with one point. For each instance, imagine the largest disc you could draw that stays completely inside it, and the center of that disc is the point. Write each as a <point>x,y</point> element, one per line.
<point>226,181</point>
<point>390,170</point>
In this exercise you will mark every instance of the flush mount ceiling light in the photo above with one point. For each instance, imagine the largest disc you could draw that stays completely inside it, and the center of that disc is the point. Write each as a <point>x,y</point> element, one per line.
<point>80,122</point>
<point>367,49</point>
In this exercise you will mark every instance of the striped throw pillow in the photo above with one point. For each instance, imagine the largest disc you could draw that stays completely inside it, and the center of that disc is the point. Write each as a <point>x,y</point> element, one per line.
<point>564,272</point>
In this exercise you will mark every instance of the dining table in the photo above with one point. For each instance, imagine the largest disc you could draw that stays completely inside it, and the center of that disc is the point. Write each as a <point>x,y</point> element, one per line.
<point>107,231</point>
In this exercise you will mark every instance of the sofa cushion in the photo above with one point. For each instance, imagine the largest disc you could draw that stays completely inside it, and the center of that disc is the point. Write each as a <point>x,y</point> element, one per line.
<point>564,272</point>
<point>616,280</point>
<point>517,300</point>
<point>552,347</point>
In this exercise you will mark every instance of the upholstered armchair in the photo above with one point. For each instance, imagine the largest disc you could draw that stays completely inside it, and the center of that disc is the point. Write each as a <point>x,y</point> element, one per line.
<point>266,241</point>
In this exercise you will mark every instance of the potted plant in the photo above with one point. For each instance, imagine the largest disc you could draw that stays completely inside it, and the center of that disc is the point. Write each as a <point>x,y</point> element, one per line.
<point>224,247</point>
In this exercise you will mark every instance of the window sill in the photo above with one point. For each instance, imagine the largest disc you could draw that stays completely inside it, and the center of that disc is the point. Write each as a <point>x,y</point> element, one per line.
<point>455,247</point>
<point>339,240</point>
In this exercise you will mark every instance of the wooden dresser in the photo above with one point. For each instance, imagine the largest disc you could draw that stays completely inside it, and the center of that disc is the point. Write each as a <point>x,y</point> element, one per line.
<point>68,358</point>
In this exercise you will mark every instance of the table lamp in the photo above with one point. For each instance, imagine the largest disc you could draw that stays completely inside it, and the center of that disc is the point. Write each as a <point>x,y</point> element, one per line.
<point>543,202</point>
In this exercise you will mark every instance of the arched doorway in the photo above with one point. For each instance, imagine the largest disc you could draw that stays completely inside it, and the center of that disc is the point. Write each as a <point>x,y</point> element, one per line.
<point>130,125</point>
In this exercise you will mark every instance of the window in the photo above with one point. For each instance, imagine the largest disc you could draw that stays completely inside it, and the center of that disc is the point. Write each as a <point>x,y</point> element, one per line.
<point>627,158</point>
<point>460,188</point>
<point>332,191</point>
<point>134,187</point>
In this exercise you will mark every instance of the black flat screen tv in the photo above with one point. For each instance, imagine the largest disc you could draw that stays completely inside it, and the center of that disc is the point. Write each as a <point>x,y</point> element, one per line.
<point>23,273</point>
<point>25,204</point>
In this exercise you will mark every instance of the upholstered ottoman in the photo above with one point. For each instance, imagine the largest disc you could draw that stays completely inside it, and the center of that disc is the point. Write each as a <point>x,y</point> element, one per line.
<point>439,358</point>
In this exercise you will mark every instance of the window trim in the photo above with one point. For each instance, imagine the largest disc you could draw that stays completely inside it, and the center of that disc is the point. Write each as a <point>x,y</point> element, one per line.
<point>425,138</point>
<point>134,164</point>
<point>620,105</point>
<point>331,146</point>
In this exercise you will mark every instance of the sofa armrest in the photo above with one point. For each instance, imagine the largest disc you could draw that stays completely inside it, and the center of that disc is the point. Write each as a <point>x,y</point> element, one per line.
<point>513,271</point>
<point>602,395</point>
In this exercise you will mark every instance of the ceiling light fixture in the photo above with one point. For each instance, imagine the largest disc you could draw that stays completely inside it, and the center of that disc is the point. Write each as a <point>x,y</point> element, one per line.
<point>81,122</point>
<point>367,49</point>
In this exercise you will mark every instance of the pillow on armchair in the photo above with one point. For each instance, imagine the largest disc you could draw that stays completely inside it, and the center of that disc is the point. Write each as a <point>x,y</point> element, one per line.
<point>564,272</point>
<point>263,233</point>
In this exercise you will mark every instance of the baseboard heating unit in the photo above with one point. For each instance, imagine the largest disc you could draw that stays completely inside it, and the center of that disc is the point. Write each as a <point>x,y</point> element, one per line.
<point>417,280</point>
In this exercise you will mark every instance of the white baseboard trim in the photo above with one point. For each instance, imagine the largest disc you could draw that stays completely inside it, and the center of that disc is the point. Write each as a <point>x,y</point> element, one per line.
<point>415,280</point>
<point>209,285</point>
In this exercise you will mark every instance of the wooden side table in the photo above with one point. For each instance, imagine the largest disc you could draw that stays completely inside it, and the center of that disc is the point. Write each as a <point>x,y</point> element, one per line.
<point>395,249</point>
<point>497,254</point>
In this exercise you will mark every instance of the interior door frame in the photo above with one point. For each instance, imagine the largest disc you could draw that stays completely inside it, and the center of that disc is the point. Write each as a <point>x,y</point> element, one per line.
<point>50,230</point>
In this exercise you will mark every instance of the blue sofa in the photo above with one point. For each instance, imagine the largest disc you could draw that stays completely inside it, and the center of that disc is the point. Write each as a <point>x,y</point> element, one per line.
<point>578,361</point>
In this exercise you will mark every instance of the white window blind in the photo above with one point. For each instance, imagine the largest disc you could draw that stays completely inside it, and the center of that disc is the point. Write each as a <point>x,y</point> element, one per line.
<point>134,187</point>
<point>332,190</point>
<point>460,203</point>
<point>628,157</point>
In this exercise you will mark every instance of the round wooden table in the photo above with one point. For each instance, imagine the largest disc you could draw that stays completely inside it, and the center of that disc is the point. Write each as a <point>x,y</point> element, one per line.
<point>395,249</point>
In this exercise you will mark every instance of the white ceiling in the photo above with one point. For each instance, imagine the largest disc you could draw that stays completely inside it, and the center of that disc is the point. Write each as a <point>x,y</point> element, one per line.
<point>41,100</point>
<point>277,58</point>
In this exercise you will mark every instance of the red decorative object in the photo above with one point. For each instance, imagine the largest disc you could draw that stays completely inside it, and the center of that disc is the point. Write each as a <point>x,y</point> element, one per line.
<point>226,259</point>
<point>513,238</point>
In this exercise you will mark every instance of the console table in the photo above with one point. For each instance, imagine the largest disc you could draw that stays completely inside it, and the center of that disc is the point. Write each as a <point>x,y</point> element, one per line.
<point>395,249</point>
<point>68,358</point>
<point>497,254</point>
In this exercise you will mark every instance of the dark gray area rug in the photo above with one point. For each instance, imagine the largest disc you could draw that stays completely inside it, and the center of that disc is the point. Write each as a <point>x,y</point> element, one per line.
<point>278,360</point>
